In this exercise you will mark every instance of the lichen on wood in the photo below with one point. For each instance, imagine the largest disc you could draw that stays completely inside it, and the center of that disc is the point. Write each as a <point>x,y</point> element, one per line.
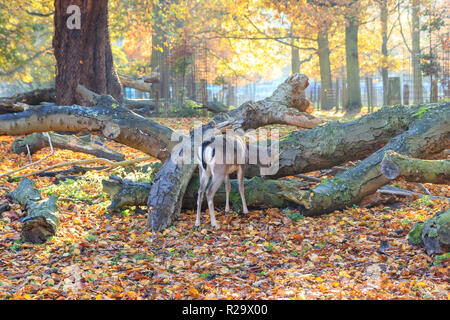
<point>42,218</point>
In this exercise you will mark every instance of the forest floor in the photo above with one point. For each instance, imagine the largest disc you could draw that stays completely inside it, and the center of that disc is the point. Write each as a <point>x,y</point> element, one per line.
<point>358,253</point>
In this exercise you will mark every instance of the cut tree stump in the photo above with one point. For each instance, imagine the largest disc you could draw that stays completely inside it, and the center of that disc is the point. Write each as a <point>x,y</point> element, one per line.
<point>415,170</point>
<point>88,144</point>
<point>42,219</point>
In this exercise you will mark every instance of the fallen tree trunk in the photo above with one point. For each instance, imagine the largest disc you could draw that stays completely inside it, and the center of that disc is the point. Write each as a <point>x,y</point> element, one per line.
<point>415,170</point>
<point>215,107</point>
<point>42,219</point>
<point>111,121</point>
<point>258,192</point>
<point>35,97</point>
<point>428,135</point>
<point>87,144</point>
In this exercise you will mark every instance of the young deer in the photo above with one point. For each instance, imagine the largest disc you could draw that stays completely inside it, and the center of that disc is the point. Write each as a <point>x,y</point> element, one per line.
<point>218,157</point>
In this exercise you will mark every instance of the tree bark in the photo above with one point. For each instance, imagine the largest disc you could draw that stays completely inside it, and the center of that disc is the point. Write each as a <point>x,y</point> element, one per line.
<point>415,170</point>
<point>353,103</point>
<point>87,144</point>
<point>83,56</point>
<point>303,151</point>
<point>42,219</point>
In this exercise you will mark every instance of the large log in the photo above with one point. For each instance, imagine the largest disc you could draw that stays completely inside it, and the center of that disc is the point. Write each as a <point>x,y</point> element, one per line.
<point>433,234</point>
<point>415,170</point>
<point>42,218</point>
<point>87,144</point>
<point>107,119</point>
<point>427,135</point>
<point>35,97</point>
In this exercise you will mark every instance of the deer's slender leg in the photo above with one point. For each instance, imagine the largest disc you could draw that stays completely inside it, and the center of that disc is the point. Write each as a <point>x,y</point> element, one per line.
<point>204,178</point>
<point>227,189</point>
<point>240,176</point>
<point>217,180</point>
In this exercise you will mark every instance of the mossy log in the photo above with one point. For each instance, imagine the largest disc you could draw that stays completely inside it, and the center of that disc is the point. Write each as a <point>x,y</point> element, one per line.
<point>42,219</point>
<point>428,135</point>
<point>35,97</point>
<point>88,144</point>
<point>433,234</point>
<point>106,119</point>
<point>415,170</point>
<point>284,106</point>
<point>258,192</point>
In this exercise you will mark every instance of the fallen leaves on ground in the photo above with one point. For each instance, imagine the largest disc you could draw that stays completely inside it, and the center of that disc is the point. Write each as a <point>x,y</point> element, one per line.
<point>358,253</point>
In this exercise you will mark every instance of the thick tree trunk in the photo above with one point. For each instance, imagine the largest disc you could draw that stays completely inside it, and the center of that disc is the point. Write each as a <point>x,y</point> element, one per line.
<point>42,219</point>
<point>117,123</point>
<point>427,136</point>
<point>415,170</point>
<point>325,71</point>
<point>83,56</point>
<point>88,144</point>
<point>353,103</point>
